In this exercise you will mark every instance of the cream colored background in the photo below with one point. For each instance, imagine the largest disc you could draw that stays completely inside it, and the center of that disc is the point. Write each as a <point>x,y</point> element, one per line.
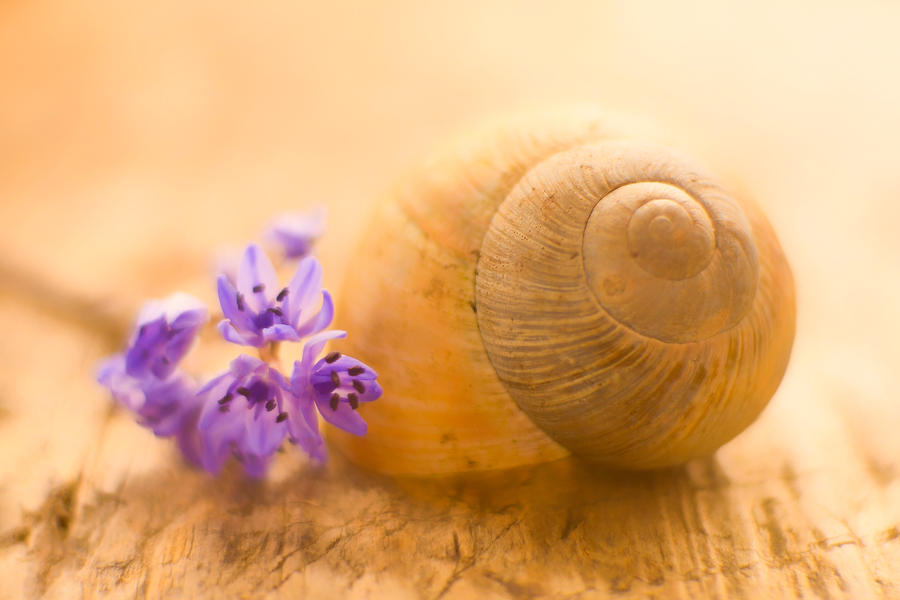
<point>136,140</point>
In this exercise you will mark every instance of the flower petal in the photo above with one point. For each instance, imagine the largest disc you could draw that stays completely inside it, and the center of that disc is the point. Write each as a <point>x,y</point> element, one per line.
<point>151,310</point>
<point>169,404</point>
<point>216,451</point>
<point>145,347</point>
<point>295,233</point>
<point>190,442</point>
<point>193,319</point>
<point>124,388</point>
<point>183,311</point>
<point>303,425</point>
<point>276,376</point>
<point>256,466</point>
<point>264,435</point>
<point>319,451</point>
<point>175,348</point>
<point>245,364</point>
<point>311,350</point>
<point>212,392</point>
<point>218,380</point>
<point>280,333</point>
<point>321,320</point>
<point>256,272</point>
<point>303,289</point>
<point>344,417</point>
<point>373,392</point>
<point>229,303</point>
<point>231,334</point>
<point>345,363</point>
<point>180,304</point>
<point>180,310</point>
<point>211,420</point>
<point>316,343</point>
<point>221,434</point>
<point>110,367</point>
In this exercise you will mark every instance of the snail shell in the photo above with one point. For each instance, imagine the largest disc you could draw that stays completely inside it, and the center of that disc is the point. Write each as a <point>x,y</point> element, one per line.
<point>553,286</point>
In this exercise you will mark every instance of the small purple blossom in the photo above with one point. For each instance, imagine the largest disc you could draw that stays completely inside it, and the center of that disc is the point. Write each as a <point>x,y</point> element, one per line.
<point>164,332</point>
<point>145,378</point>
<point>244,414</point>
<point>257,311</point>
<point>336,384</point>
<point>162,405</point>
<point>295,233</point>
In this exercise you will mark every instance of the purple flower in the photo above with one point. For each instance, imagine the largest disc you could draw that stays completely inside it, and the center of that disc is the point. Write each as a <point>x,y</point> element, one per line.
<point>163,405</point>
<point>164,332</point>
<point>336,384</point>
<point>249,410</point>
<point>243,415</point>
<point>257,311</point>
<point>145,378</point>
<point>295,233</point>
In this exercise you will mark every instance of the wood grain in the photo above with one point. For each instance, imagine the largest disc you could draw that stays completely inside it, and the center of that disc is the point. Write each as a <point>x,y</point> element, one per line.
<point>136,142</point>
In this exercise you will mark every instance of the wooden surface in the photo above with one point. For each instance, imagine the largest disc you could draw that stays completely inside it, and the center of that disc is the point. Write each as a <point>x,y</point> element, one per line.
<point>137,142</point>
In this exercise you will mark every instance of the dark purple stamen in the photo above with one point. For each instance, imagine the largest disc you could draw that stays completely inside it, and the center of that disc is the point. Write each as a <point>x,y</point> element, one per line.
<point>258,288</point>
<point>281,295</point>
<point>275,311</point>
<point>359,387</point>
<point>270,405</point>
<point>355,371</point>
<point>243,392</point>
<point>333,402</point>
<point>225,399</point>
<point>354,400</point>
<point>165,360</point>
<point>240,301</point>
<point>335,379</point>
<point>332,356</point>
<point>281,418</point>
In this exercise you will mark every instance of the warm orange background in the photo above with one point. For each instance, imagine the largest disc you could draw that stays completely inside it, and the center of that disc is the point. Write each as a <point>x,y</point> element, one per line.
<point>136,140</point>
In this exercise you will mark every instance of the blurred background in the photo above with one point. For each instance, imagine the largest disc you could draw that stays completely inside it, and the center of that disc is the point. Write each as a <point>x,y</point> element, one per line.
<point>137,139</point>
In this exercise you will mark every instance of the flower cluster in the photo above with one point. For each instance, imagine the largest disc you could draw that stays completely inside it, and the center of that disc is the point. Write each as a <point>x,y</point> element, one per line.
<point>247,411</point>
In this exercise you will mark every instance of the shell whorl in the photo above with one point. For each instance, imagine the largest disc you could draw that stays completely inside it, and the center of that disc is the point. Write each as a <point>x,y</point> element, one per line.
<point>548,286</point>
<point>611,286</point>
<point>660,247</point>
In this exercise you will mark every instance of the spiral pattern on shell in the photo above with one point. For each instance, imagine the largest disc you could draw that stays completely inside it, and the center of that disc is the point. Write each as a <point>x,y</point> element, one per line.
<point>610,289</point>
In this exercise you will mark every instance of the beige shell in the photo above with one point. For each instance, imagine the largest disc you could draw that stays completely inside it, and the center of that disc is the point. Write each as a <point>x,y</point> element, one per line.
<point>552,286</point>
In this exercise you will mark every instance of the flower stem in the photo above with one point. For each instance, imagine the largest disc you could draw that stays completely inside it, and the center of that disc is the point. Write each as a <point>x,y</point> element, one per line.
<point>269,354</point>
